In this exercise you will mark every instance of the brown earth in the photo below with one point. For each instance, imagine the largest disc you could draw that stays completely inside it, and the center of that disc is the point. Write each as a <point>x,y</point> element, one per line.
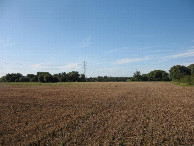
<point>97,114</point>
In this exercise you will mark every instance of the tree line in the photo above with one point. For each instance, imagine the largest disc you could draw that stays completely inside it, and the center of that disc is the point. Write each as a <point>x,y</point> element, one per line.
<point>45,77</point>
<point>178,73</point>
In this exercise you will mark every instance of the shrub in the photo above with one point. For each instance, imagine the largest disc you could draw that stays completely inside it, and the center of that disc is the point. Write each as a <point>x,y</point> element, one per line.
<point>128,80</point>
<point>188,79</point>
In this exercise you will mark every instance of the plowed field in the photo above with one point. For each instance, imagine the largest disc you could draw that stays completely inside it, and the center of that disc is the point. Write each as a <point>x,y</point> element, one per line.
<point>97,114</point>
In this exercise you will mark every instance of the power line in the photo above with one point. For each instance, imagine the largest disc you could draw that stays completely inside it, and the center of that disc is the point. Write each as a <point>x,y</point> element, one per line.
<point>85,64</point>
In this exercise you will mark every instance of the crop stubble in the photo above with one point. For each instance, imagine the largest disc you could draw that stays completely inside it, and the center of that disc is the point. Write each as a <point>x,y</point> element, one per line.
<point>97,113</point>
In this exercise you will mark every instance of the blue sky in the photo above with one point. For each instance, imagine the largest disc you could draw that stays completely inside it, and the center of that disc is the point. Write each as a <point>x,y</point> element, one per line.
<point>114,37</point>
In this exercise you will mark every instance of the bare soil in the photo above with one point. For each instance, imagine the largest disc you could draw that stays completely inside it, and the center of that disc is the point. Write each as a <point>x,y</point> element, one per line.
<point>97,114</point>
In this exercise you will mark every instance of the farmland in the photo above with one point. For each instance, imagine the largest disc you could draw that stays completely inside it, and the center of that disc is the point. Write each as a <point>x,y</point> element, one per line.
<point>149,113</point>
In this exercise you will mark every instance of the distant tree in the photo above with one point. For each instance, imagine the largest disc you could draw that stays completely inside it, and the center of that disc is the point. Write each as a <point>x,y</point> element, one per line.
<point>73,76</point>
<point>24,79</point>
<point>82,78</point>
<point>144,77</point>
<point>48,78</point>
<point>30,75</point>
<point>55,78</point>
<point>100,79</point>
<point>41,78</point>
<point>64,77</point>
<point>2,79</point>
<point>8,77</point>
<point>137,76</point>
<point>158,75</point>
<point>191,67</point>
<point>177,72</point>
<point>14,77</point>
<point>34,79</point>
<point>44,77</point>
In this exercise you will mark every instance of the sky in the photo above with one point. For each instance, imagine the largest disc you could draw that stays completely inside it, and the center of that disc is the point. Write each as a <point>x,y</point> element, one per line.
<point>114,37</point>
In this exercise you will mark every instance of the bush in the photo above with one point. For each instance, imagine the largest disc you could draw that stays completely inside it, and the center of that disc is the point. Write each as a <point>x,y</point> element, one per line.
<point>188,79</point>
<point>128,80</point>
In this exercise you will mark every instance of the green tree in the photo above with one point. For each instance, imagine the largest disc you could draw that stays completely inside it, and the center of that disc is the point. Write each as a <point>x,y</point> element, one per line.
<point>82,78</point>
<point>137,76</point>
<point>64,77</point>
<point>158,75</point>
<point>191,67</point>
<point>41,78</point>
<point>48,78</point>
<point>73,76</point>
<point>55,78</point>
<point>144,77</point>
<point>34,79</point>
<point>177,72</point>
<point>14,77</point>
<point>2,79</point>
<point>24,79</point>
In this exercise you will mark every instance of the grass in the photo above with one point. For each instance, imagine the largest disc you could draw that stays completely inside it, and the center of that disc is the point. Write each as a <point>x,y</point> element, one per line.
<point>182,84</point>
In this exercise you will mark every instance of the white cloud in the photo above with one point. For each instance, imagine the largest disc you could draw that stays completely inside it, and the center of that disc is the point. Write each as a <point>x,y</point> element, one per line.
<point>130,60</point>
<point>188,53</point>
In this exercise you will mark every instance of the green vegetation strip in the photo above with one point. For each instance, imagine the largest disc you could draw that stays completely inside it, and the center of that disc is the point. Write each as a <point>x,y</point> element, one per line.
<point>182,84</point>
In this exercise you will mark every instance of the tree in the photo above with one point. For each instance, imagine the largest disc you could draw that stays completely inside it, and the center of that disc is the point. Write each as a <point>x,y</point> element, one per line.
<point>64,77</point>
<point>14,77</point>
<point>30,75</point>
<point>44,77</point>
<point>55,78</point>
<point>41,78</point>
<point>73,76</point>
<point>48,78</point>
<point>137,76</point>
<point>100,79</point>
<point>177,72</point>
<point>158,75</point>
<point>24,79</point>
<point>191,67</point>
<point>2,79</point>
<point>82,78</point>
<point>34,79</point>
<point>61,77</point>
<point>144,77</point>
